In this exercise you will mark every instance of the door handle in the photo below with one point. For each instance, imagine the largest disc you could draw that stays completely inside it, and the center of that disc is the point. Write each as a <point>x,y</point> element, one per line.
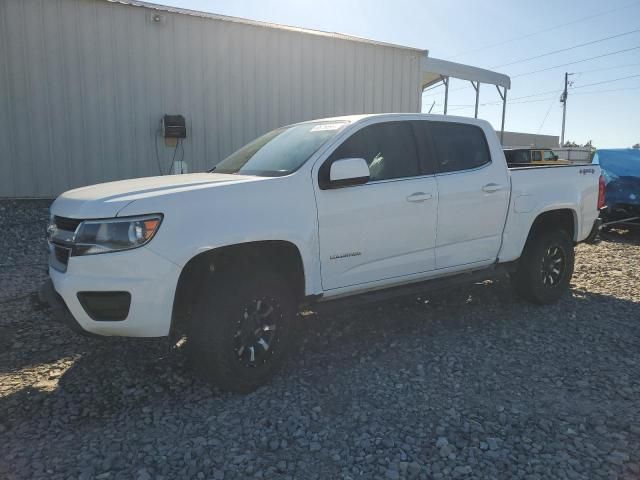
<point>419,197</point>
<point>491,187</point>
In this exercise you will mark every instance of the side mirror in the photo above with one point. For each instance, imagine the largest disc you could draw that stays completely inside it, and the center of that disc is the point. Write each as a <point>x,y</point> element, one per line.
<point>348,171</point>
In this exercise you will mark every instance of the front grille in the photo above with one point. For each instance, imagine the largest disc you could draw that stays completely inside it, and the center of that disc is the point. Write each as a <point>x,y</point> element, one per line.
<point>66,224</point>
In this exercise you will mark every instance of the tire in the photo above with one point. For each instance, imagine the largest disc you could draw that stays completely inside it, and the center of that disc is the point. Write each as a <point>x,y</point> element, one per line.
<point>242,330</point>
<point>544,254</point>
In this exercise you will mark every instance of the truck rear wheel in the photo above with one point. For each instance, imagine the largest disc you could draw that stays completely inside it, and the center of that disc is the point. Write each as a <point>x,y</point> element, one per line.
<point>545,267</point>
<point>242,329</point>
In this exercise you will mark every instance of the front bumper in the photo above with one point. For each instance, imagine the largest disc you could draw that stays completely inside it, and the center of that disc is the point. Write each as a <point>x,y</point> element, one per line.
<point>48,295</point>
<point>149,278</point>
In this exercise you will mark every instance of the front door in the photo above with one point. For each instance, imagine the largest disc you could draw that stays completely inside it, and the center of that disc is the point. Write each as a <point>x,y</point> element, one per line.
<point>384,229</point>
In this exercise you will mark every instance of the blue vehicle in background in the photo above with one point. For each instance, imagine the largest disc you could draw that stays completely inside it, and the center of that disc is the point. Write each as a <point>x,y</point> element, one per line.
<point>621,170</point>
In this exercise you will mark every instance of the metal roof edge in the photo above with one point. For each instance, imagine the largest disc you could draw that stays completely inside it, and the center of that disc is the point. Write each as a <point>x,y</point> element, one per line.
<point>435,68</point>
<point>256,23</point>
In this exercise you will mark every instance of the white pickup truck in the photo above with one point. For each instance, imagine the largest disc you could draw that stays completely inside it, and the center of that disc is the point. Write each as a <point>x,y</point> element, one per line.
<point>357,207</point>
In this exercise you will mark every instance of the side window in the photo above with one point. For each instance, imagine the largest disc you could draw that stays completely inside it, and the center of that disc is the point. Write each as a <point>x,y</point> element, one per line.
<point>425,149</point>
<point>389,149</point>
<point>459,146</point>
<point>537,156</point>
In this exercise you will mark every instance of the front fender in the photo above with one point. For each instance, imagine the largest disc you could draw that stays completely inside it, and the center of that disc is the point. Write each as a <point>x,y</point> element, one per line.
<point>205,219</point>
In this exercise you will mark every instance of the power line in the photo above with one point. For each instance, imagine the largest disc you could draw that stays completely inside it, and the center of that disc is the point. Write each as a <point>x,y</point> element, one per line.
<point>553,52</point>
<point>574,62</point>
<point>537,32</point>
<point>546,115</point>
<point>510,102</point>
<point>607,81</point>
<point>607,91</point>
<point>534,95</point>
<point>556,92</point>
<point>615,67</point>
<point>556,66</point>
<point>490,104</point>
<point>573,93</point>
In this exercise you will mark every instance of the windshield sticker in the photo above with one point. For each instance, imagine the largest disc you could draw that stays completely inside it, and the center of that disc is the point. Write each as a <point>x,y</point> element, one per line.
<point>326,126</point>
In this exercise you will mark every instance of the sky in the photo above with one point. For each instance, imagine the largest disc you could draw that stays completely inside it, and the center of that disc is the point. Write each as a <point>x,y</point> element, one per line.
<point>603,105</point>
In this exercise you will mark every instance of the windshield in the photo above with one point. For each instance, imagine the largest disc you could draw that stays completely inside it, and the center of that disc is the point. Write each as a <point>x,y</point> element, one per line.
<point>618,163</point>
<point>281,151</point>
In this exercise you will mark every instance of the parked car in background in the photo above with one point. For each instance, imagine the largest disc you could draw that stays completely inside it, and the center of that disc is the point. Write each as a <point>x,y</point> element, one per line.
<point>532,156</point>
<point>621,171</point>
<point>317,213</point>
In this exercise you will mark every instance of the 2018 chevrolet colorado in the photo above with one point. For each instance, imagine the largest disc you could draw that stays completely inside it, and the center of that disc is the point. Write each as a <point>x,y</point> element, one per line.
<point>309,214</point>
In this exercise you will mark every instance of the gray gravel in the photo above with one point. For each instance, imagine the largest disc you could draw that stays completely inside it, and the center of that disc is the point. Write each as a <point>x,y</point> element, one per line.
<point>468,384</point>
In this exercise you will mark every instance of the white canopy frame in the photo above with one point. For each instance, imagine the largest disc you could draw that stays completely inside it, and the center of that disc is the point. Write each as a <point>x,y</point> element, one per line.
<point>435,71</point>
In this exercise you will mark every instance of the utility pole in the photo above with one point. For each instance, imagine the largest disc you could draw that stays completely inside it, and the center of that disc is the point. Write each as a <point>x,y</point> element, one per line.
<point>563,100</point>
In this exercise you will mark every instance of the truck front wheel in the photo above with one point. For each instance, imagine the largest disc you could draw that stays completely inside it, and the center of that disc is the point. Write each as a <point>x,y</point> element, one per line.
<point>242,329</point>
<point>545,267</point>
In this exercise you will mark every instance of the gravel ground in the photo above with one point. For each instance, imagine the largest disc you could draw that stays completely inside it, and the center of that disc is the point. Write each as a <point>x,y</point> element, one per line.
<point>468,384</point>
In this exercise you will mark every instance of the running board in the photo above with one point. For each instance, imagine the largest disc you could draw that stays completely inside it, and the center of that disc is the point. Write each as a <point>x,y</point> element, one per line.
<point>412,289</point>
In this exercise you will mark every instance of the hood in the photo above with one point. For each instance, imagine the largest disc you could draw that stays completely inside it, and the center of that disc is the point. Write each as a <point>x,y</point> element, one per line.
<point>105,200</point>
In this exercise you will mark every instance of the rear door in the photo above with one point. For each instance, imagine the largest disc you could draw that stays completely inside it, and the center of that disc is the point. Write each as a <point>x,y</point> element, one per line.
<point>385,229</point>
<point>473,195</point>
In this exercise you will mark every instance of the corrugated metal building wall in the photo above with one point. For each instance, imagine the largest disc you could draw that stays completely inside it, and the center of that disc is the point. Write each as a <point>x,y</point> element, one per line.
<point>518,139</point>
<point>84,83</point>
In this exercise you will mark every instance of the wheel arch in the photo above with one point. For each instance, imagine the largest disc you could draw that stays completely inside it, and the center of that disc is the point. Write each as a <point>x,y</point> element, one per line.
<point>280,256</point>
<point>556,219</point>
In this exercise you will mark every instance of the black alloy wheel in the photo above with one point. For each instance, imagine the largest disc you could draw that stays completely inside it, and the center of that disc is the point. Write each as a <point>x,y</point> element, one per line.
<point>242,329</point>
<point>257,335</point>
<point>545,268</point>
<point>553,266</point>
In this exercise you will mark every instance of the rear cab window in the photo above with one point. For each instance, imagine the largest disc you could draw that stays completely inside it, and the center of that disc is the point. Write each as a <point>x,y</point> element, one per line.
<point>458,147</point>
<point>517,157</point>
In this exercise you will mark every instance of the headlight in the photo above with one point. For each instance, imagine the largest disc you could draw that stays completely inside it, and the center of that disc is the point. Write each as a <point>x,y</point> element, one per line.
<point>101,236</point>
